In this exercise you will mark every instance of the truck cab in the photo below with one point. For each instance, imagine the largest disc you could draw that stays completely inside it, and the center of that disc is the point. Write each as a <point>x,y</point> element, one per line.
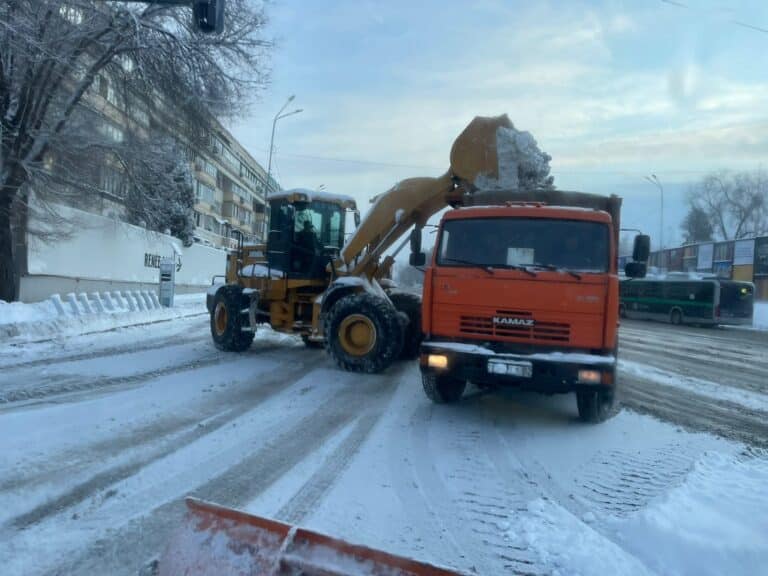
<point>527,296</point>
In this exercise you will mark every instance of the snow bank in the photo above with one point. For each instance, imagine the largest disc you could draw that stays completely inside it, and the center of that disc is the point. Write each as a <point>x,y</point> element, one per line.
<point>746,398</point>
<point>716,522</point>
<point>85,313</point>
<point>15,312</point>
<point>760,317</point>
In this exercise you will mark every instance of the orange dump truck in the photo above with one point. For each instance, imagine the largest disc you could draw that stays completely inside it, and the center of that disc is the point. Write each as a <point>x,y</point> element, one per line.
<point>526,293</point>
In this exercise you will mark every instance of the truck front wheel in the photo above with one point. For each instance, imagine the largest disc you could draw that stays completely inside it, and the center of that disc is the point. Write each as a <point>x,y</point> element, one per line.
<point>442,388</point>
<point>595,406</point>
<point>363,333</point>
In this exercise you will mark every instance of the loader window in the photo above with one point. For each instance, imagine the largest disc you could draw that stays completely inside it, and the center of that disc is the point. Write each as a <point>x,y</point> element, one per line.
<point>507,242</point>
<point>324,219</point>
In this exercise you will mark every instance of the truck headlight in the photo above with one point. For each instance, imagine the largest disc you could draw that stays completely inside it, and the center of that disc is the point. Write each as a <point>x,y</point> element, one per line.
<point>439,361</point>
<point>589,376</point>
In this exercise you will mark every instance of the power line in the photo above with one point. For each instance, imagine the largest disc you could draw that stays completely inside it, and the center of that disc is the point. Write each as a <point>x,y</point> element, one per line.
<point>735,22</point>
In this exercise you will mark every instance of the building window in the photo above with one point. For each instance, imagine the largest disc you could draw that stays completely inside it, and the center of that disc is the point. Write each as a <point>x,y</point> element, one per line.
<point>207,167</point>
<point>112,132</point>
<point>112,182</point>
<point>204,193</point>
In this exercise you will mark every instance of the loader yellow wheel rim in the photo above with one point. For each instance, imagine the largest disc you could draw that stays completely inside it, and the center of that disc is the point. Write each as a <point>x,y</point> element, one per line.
<point>357,334</point>
<point>220,318</point>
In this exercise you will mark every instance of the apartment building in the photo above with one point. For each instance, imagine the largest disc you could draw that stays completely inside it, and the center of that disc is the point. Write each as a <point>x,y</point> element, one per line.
<point>229,184</point>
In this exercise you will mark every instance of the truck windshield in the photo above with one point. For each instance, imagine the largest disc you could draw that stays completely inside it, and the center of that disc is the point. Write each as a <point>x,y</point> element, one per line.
<point>531,242</point>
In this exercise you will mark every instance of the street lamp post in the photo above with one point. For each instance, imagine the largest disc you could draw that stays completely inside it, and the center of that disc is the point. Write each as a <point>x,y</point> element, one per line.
<point>272,138</point>
<point>655,181</point>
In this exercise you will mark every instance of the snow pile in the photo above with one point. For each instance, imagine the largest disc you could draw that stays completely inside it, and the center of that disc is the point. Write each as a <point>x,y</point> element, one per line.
<point>760,316</point>
<point>84,314</point>
<point>314,196</point>
<point>716,522</point>
<point>521,164</point>
<point>570,545</point>
<point>16,312</point>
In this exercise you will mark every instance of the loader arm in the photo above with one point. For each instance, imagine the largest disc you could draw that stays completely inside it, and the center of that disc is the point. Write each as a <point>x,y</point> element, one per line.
<point>415,200</point>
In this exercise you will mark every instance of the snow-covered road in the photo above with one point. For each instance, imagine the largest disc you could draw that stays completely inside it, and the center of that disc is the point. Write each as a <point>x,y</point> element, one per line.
<point>103,436</point>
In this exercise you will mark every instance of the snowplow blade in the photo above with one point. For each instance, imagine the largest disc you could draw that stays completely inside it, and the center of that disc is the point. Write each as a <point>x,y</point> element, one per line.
<point>214,540</point>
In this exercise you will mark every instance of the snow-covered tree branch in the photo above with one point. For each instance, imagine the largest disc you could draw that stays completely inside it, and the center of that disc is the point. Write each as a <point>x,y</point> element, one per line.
<point>61,60</point>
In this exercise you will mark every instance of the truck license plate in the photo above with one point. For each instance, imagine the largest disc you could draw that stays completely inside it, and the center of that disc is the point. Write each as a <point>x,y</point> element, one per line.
<point>510,368</point>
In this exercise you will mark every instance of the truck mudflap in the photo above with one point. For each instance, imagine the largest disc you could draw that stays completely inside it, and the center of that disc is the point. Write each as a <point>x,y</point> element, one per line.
<point>216,540</point>
<point>556,372</point>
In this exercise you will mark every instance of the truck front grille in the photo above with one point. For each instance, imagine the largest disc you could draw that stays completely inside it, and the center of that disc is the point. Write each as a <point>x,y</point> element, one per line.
<point>540,331</point>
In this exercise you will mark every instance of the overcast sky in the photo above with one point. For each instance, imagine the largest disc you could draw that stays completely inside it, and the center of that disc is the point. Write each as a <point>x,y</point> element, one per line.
<point>612,90</point>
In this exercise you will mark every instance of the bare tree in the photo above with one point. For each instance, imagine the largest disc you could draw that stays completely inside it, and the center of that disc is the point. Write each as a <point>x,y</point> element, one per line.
<point>735,204</point>
<point>697,226</point>
<point>52,54</point>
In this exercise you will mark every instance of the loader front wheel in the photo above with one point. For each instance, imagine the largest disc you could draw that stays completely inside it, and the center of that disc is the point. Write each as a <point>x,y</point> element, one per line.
<point>363,333</point>
<point>228,320</point>
<point>410,305</point>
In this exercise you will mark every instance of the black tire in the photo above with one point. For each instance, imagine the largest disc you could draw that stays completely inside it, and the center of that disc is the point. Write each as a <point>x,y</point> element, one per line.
<point>386,335</point>
<point>595,406</point>
<point>228,319</point>
<point>676,317</point>
<point>442,388</point>
<point>410,305</point>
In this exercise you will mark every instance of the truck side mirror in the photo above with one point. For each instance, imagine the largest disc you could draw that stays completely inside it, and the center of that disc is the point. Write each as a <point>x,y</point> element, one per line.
<point>635,269</point>
<point>642,248</point>
<point>208,16</point>
<point>357,218</point>
<point>417,259</point>
<point>416,240</point>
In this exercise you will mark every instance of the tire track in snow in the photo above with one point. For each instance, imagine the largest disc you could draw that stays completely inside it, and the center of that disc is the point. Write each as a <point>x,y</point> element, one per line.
<point>748,375</point>
<point>70,388</point>
<point>695,412</point>
<point>477,516</point>
<point>145,345</point>
<point>125,549</point>
<point>270,384</point>
<point>312,492</point>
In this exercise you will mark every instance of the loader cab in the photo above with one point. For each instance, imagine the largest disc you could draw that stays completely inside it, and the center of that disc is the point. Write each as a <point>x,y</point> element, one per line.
<point>306,231</point>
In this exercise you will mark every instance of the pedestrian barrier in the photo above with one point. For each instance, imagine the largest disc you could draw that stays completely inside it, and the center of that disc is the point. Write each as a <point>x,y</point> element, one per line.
<point>82,303</point>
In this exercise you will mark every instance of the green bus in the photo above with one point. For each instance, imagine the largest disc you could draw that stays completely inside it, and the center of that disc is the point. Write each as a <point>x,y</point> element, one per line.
<point>709,301</point>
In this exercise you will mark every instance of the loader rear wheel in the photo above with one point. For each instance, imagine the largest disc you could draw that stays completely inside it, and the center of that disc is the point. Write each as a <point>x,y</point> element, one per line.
<point>363,333</point>
<point>228,320</point>
<point>442,388</point>
<point>410,305</point>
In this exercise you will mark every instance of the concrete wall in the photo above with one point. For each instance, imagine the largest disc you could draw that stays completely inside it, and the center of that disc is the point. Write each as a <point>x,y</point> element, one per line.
<point>106,254</point>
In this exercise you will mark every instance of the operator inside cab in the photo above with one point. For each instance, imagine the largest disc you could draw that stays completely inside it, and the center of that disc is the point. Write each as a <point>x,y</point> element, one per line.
<point>308,245</point>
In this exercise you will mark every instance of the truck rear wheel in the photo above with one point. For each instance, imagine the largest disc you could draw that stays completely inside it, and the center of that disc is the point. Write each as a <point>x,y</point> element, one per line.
<point>442,388</point>
<point>228,320</point>
<point>363,333</point>
<point>595,406</point>
<point>410,305</point>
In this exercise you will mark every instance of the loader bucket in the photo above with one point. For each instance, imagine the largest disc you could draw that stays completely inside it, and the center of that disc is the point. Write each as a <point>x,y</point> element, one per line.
<point>474,151</point>
<point>214,540</point>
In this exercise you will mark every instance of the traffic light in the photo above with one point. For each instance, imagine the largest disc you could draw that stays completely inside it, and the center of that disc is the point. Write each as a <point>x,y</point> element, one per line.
<point>208,15</point>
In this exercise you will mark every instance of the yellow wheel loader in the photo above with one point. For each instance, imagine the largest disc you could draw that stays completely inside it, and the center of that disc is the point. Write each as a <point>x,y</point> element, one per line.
<point>307,280</point>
